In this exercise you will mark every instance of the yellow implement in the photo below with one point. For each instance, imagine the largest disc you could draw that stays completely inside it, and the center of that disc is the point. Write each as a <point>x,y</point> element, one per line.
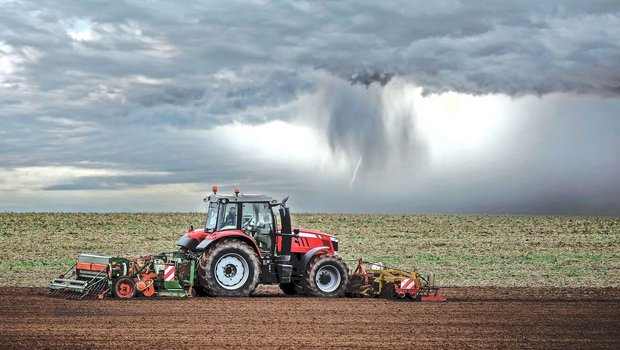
<point>378,280</point>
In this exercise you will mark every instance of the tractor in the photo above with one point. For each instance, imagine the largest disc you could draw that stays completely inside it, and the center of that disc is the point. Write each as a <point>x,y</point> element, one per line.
<point>242,245</point>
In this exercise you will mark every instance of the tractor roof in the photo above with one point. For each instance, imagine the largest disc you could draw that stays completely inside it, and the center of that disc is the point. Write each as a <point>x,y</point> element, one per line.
<point>241,198</point>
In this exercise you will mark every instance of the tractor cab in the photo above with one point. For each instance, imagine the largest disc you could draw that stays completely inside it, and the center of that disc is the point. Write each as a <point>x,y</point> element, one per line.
<point>248,217</point>
<point>251,214</point>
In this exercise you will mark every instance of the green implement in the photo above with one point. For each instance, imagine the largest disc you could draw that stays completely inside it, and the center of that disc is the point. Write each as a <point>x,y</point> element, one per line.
<point>165,274</point>
<point>88,277</point>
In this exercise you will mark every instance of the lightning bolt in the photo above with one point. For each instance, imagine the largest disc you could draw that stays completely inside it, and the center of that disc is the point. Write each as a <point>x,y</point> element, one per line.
<point>359,162</point>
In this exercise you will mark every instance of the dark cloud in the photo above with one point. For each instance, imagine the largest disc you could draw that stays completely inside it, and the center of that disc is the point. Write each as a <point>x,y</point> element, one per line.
<point>172,96</point>
<point>367,77</point>
<point>137,86</point>
<point>356,123</point>
<point>515,48</point>
<point>357,126</point>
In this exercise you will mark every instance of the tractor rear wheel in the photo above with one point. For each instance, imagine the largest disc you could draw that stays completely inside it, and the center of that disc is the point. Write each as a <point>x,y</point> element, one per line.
<point>326,276</point>
<point>229,268</point>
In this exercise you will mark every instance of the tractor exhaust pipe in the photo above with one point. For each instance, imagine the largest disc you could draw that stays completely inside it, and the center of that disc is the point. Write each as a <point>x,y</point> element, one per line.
<point>285,218</point>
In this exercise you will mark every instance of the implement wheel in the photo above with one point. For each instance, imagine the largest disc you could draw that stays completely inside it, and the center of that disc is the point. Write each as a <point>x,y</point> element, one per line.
<point>124,288</point>
<point>229,268</point>
<point>388,291</point>
<point>326,276</point>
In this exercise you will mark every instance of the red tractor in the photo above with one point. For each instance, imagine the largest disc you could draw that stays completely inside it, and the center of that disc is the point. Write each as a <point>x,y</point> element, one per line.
<point>242,245</point>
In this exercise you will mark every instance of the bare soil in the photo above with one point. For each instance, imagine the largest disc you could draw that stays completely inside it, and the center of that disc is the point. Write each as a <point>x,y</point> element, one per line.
<point>471,318</point>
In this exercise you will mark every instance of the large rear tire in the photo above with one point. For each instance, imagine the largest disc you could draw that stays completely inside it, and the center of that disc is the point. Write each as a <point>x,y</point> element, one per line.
<point>229,268</point>
<point>326,276</point>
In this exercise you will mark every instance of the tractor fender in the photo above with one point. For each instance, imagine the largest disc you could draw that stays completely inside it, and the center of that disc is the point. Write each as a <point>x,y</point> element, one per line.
<point>301,267</point>
<point>207,242</point>
<point>188,243</point>
<point>204,244</point>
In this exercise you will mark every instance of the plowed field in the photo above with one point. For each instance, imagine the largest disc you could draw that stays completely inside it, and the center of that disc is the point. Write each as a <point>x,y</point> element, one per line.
<point>473,317</point>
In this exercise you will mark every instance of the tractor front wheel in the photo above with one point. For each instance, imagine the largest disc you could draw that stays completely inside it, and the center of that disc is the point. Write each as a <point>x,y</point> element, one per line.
<point>326,276</point>
<point>229,268</point>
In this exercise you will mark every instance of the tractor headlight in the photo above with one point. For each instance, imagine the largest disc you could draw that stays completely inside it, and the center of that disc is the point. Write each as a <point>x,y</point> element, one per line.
<point>335,243</point>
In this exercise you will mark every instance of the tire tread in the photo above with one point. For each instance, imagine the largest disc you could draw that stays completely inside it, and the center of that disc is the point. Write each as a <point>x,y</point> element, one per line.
<point>309,284</point>
<point>207,279</point>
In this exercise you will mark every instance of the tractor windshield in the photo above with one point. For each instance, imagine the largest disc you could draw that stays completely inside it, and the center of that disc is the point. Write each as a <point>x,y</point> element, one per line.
<point>211,217</point>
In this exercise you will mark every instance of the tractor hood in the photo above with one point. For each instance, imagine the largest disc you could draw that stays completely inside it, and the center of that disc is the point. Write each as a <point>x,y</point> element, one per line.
<point>323,236</point>
<point>312,232</point>
<point>317,233</point>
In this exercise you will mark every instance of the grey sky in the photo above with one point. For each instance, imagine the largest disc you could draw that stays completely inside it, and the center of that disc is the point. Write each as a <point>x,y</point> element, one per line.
<point>468,107</point>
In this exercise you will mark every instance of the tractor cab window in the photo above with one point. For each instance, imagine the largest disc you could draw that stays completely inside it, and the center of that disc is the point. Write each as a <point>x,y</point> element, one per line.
<point>211,217</point>
<point>227,219</point>
<point>257,222</point>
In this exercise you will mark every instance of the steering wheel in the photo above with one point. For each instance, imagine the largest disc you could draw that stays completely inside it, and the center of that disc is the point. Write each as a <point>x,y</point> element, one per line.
<point>249,226</point>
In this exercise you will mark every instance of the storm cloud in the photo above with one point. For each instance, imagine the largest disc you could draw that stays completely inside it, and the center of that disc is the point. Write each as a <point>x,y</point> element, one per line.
<point>104,98</point>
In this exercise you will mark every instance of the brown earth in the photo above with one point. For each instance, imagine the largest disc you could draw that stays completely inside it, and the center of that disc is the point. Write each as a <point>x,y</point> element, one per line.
<point>472,318</point>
